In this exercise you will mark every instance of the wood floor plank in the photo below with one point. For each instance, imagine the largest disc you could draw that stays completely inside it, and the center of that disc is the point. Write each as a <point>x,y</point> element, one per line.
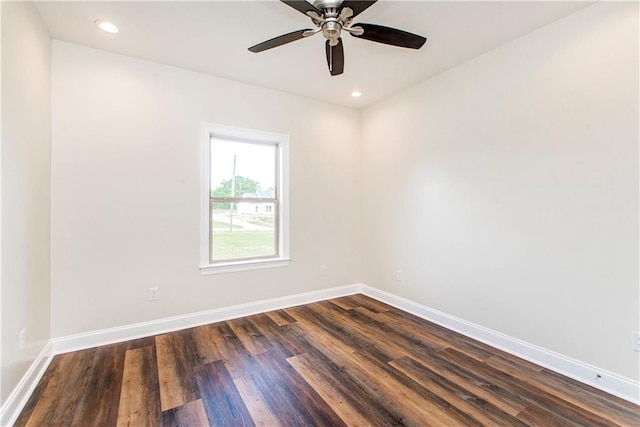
<point>326,355</point>
<point>409,327</point>
<point>370,304</point>
<point>405,404</point>
<point>475,383</point>
<point>344,327</point>
<point>190,414</point>
<point>536,416</point>
<point>38,396</point>
<point>140,342</point>
<point>238,361</point>
<point>356,390</point>
<point>345,361</point>
<point>572,414</point>
<point>99,403</point>
<point>333,337</point>
<point>620,411</point>
<point>401,343</point>
<point>276,335</point>
<point>336,399</point>
<point>206,344</point>
<point>250,337</point>
<point>343,303</point>
<point>293,401</point>
<point>453,339</point>
<point>177,359</point>
<point>215,386</point>
<point>455,394</point>
<point>56,406</point>
<point>140,394</point>
<point>255,403</point>
<point>417,403</point>
<point>280,317</point>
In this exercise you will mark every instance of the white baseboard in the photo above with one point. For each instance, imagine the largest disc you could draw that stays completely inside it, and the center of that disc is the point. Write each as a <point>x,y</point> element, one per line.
<point>21,393</point>
<point>161,326</point>
<point>609,382</point>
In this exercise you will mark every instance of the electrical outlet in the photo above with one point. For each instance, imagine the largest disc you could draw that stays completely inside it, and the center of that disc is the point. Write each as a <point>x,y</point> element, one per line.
<point>399,275</point>
<point>23,339</point>
<point>154,294</point>
<point>323,270</point>
<point>635,343</point>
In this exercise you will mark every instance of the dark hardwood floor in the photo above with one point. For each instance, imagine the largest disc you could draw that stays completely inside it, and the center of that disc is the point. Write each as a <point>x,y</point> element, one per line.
<point>349,361</point>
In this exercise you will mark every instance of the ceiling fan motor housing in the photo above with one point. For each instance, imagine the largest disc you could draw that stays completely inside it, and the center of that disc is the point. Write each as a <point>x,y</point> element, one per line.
<point>331,31</point>
<point>334,20</point>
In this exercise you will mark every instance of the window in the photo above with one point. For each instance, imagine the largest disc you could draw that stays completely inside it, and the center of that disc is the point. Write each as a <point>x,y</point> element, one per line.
<point>244,199</point>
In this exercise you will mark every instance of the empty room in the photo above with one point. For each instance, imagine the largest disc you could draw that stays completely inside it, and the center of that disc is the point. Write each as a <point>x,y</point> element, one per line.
<point>327,213</point>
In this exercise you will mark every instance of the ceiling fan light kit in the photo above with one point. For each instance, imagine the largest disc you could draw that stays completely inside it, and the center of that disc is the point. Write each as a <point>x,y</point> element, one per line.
<point>331,17</point>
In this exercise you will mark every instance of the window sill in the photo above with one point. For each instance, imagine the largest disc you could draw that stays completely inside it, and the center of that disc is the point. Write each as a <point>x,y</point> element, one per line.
<point>232,267</point>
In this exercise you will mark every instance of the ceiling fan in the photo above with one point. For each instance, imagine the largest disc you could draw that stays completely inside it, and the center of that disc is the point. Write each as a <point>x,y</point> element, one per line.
<point>331,17</point>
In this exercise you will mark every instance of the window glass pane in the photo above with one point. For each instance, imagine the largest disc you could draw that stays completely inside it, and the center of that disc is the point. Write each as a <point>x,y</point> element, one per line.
<point>242,230</point>
<point>240,169</point>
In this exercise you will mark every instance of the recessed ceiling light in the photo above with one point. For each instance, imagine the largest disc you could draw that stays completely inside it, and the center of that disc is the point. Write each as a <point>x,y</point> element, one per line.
<point>106,26</point>
<point>356,93</point>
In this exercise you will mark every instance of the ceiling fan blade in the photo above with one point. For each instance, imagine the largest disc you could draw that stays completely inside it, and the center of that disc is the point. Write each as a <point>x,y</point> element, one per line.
<point>392,36</point>
<point>279,41</point>
<point>302,6</point>
<point>335,57</point>
<point>357,6</point>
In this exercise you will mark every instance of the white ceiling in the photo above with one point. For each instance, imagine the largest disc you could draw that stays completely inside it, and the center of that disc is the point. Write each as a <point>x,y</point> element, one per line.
<point>213,36</point>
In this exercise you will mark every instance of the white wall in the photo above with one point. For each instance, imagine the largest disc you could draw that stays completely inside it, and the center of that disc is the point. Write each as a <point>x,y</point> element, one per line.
<point>125,190</point>
<point>506,189</point>
<point>26,182</point>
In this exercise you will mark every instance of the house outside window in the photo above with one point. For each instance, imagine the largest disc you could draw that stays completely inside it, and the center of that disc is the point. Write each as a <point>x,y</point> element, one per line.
<point>245,215</point>
<point>258,208</point>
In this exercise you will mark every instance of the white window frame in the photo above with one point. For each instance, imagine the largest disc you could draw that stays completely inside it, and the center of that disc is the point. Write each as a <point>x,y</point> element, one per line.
<point>210,130</point>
